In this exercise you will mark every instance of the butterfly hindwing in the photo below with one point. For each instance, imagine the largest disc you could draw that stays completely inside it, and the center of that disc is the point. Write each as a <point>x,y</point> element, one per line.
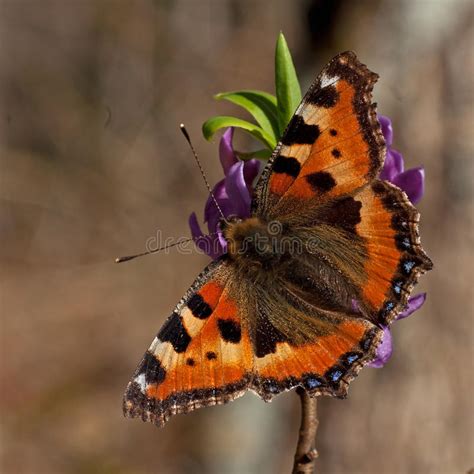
<point>296,343</point>
<point>395,258</point>
<point>324,366</point>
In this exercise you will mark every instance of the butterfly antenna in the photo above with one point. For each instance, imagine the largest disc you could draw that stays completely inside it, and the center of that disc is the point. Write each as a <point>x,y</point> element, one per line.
<point>186,135</point>
<point>165,247</point>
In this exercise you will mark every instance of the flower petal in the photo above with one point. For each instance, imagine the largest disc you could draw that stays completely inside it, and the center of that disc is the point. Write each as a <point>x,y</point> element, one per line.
<point>211,212</point>
<point>237,190</point>
<point>226,150</point>
<point>387,130</point>
<point>384,350</point>
<point>217,245</point>
<point>203,242</point>
<point>251,169</point>
<point>393,165</point>
<point>220,193</point>
<point>412,182</point>
<point>414,304</point>
<point>215,216</point>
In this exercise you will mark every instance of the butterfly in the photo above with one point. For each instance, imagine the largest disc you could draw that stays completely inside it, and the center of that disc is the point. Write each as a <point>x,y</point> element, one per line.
<point>329,255</point>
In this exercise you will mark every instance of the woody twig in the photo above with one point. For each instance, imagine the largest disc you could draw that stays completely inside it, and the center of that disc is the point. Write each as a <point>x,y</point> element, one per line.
<point>306,453</point>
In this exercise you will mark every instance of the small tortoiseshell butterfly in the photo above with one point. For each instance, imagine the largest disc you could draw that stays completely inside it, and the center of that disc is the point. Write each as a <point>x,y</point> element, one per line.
<point>270,319</point>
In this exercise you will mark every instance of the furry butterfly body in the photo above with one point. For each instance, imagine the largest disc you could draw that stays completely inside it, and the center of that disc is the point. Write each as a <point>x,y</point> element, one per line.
<point>329,255</point>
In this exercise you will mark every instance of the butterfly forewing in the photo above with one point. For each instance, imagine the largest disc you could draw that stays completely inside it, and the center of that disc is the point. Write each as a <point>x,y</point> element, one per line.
<point>200,357</point>
<point>332,146</point>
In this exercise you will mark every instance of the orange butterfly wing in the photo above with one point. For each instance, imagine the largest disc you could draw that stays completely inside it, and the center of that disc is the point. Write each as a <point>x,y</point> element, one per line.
<point>323,367</point>
<point>201,356</point>
<point>332,145</point>
<point>324,170</point>
<point>395,258</point>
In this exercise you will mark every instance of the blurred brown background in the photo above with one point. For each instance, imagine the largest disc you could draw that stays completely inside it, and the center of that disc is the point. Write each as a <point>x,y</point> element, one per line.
<point>92,164</point>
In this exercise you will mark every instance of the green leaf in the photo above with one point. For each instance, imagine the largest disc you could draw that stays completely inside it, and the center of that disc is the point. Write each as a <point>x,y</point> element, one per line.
<point>288,91</point>
<point>263,154</point>
<point>261,105</point>
<point>210,127</point>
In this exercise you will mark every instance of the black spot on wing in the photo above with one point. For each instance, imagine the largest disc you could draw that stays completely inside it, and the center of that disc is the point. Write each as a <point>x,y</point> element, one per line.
<point>400,223</point>
<point>230,330</point>
<point>266,336</point>
<point>211,355</point>
<point>152,368</point>
<point>299,132</point>
<point>326,97</point>
<point>333,132</point>
<point>173,331</point>
<point>336,153</point>
<point>343,213</point>
<point>287,165</point>
<point>199,307</point>
<point>190,361</point>
<point>321,181</point>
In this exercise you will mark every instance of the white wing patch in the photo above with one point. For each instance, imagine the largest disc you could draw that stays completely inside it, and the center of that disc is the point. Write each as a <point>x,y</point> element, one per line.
<point>328,80</point>
<point>140,380</point>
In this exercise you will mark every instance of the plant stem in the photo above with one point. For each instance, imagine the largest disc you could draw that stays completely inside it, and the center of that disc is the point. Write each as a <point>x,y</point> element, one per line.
<point>306,453</point>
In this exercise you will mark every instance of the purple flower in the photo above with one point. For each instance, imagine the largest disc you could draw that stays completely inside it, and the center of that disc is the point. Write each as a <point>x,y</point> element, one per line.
<point>233,194</point>
<point>412,182</point>
<point>385,348</point>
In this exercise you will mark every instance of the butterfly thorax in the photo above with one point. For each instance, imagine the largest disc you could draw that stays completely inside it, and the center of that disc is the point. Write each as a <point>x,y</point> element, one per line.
<point>258,244</point>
